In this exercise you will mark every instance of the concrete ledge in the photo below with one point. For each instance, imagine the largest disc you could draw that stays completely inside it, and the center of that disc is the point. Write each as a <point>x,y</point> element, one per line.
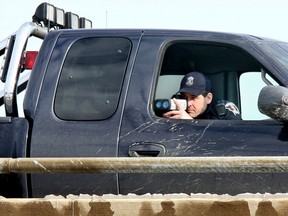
<point>144,205</point>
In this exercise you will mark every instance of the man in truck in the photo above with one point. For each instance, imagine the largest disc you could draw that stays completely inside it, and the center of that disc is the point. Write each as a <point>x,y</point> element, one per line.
<point>196,89</point>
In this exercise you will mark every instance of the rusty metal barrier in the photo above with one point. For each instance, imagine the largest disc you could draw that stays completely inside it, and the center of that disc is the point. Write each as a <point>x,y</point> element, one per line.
<point>154,205</point>
<point>145,165</point>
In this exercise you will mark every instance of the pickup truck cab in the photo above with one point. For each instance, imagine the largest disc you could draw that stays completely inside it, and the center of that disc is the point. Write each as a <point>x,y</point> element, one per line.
<point>91,93</point>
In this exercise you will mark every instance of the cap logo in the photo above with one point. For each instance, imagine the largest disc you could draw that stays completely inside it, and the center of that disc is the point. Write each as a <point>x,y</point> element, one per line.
<point>190,81</point>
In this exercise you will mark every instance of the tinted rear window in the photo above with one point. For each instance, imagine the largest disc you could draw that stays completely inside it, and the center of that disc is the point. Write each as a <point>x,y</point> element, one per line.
<point>91,79</point>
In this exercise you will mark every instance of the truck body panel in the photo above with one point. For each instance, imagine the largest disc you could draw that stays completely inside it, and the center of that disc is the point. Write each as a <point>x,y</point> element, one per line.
<point>133,125</point>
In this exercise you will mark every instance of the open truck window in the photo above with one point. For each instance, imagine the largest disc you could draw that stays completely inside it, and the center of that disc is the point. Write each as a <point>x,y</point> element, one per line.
<point>223,64</point>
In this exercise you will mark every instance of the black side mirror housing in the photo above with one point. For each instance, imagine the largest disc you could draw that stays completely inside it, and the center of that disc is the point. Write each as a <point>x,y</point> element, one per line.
<point>273,102</point>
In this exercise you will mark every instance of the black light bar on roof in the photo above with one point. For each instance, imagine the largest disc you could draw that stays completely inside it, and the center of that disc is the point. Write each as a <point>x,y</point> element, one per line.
<point>71,20</point>
<point>52,17</point>
<point>59,17</point>
<point>85,23</point>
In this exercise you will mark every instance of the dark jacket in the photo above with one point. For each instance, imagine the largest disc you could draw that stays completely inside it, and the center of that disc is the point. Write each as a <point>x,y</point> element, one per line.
<point>221,109</point>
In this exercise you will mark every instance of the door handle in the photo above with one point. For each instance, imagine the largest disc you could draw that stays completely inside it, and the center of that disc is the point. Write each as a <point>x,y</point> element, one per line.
<point>146,150</point>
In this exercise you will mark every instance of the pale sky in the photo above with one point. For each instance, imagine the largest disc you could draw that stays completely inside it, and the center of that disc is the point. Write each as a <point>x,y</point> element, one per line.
<point>266,18</point>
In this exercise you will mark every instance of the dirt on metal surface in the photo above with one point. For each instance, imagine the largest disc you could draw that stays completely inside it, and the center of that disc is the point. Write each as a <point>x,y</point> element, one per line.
<point>144,205</point>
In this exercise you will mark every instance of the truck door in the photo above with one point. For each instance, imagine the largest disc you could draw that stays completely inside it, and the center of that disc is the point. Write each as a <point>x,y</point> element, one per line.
<point>79,109</point>
<point>146,134</point>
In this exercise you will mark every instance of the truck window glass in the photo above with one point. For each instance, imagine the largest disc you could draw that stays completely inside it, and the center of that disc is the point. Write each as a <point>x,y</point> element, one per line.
<point>249,99</point>
<point>91,79</point>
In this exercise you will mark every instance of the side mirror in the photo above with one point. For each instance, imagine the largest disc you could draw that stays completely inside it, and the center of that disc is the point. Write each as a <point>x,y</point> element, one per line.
<point>273,102</point>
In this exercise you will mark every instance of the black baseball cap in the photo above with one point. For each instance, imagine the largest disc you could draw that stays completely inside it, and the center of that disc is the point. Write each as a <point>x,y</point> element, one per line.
<point>195,83</point>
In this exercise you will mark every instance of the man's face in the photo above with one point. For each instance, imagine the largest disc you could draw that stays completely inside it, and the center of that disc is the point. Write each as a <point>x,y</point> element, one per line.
<point>197,104</point>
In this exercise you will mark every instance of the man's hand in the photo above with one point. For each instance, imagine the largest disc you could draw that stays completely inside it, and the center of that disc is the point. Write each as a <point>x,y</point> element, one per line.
<point>180,113</point>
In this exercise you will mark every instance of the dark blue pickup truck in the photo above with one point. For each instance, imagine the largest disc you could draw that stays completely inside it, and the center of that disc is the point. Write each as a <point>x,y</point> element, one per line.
<point>91,94</point>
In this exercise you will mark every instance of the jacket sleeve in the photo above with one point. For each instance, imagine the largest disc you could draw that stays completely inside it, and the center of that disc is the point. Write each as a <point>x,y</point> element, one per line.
<point>231,112</point>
